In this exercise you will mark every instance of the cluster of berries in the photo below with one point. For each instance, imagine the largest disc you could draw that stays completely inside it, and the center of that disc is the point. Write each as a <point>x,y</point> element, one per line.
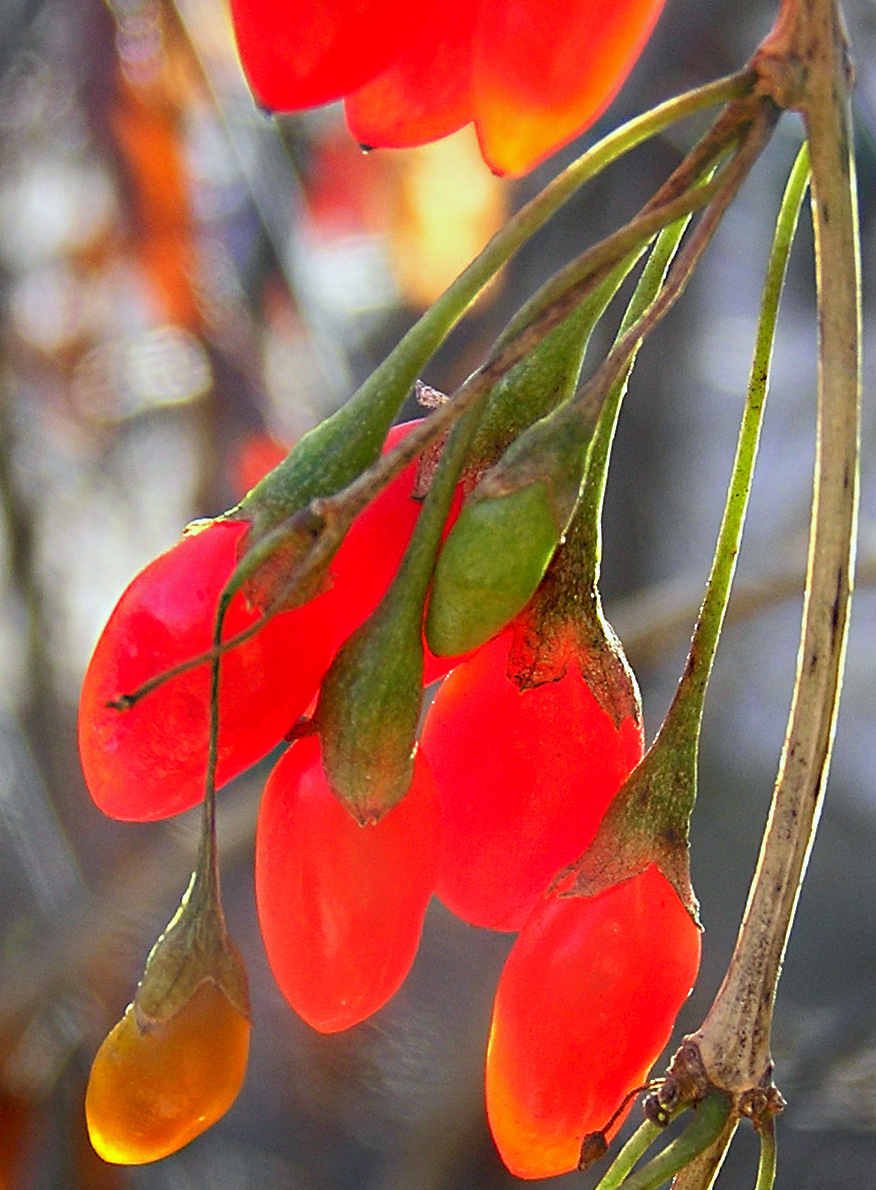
<point>510,781</point>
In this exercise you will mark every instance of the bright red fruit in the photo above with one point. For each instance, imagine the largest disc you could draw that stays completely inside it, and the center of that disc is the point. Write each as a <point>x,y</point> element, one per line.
<point>585,1003</point>
<point>369,555</point>
<point>524,779</point>
<point>341,906</point>
<point>149,761</point>
<point>530,74</point>
<point>301,55</point>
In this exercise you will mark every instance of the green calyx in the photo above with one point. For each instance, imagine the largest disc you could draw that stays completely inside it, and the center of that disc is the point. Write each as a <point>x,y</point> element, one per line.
<point>646,823</point>
<point>547,376</point>
<point>369,709</point>
<point>370,701</point>
<point>492,561</point>
<point>332,455</point>
<point>497,552</point>
<point>194,949</point>
<point>564,625</point>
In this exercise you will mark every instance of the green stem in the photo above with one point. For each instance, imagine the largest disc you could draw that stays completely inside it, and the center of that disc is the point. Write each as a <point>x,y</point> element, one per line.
<point>702,1172</point>
<point>685,714</point>
<point>766,1170</point>
<point>630,1154</point>
<point>705,1127</point>
<point>332,454</point>
<point>585,536</point>
<point>652,810</point>
<point>323,521</point>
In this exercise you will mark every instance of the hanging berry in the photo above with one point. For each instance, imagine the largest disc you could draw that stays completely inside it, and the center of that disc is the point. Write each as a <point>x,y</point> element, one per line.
<point>585,1003</point>
<point>341,905</point>
<point>155,1086</point>
<point>530,76</point>
<point>524,776</point>
<point>147,760</point>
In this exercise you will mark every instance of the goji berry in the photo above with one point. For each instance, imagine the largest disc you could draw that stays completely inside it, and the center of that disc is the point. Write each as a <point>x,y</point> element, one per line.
<point>531,76</point>
<point>523,778</point>
<point>149,761</point>
<point>585,1003</point>
<point>152,1089</point>
<point>341,906</point>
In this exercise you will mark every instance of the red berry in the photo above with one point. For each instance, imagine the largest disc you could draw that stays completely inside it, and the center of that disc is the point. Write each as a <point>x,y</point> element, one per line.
<point>341,906</point>
<point>301,57</point>
<point>585,1003</point>
<point>370,553</point>
<point>524,779</point>
<point>149,761</point>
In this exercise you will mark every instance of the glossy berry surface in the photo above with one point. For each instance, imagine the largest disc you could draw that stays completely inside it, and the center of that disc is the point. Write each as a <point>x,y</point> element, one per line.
<point>341,906</point>
<point>149,761</point>
<point>530,74</point>
<point>585,1004</point>
<point>523,778</point>
<point>151,1092</point>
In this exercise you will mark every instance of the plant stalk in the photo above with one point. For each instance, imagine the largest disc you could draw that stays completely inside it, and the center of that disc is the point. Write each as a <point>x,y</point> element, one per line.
<point>734,1041</point>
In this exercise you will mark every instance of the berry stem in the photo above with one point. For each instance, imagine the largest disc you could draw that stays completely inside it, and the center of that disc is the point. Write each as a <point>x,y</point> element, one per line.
<point>702,1172</point>
<point>684,717</point>
<point>650,814</point>
<point>318,527</point>
<point>638,1144</point>
<point>703,1129</point>
<point>766,1170</point>
<point>332,454</point>
<point>734,1040</point>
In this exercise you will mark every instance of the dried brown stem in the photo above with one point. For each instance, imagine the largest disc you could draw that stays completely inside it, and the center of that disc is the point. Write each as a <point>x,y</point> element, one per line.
<point>734,1041</point>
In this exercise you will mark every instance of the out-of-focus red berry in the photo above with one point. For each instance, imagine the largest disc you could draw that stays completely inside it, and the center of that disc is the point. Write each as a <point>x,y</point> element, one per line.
<point>530,74</point>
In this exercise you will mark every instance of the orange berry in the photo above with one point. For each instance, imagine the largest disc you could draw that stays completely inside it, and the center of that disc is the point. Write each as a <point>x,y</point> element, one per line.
<point>153,1090</point>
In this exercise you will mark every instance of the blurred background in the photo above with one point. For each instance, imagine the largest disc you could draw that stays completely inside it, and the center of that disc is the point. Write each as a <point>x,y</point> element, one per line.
<point>185,288</point>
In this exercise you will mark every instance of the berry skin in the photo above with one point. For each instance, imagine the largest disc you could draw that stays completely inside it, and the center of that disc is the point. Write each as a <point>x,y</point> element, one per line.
<point>149,761</point>
<point>341,906</point>
<point>523,778</point>
<point>585,1003</point>
<point>152,1091</point>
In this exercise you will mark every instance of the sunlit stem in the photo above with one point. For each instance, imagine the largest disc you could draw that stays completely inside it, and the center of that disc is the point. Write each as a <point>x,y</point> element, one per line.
<point>631,1153</point>
<point>766,1170</point>
<point>702,1172</point>
<point>586,531</point>
<point>204,890</point>
<point>703,1129</point>
<point>685,713</point>
<point>329,518</point>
